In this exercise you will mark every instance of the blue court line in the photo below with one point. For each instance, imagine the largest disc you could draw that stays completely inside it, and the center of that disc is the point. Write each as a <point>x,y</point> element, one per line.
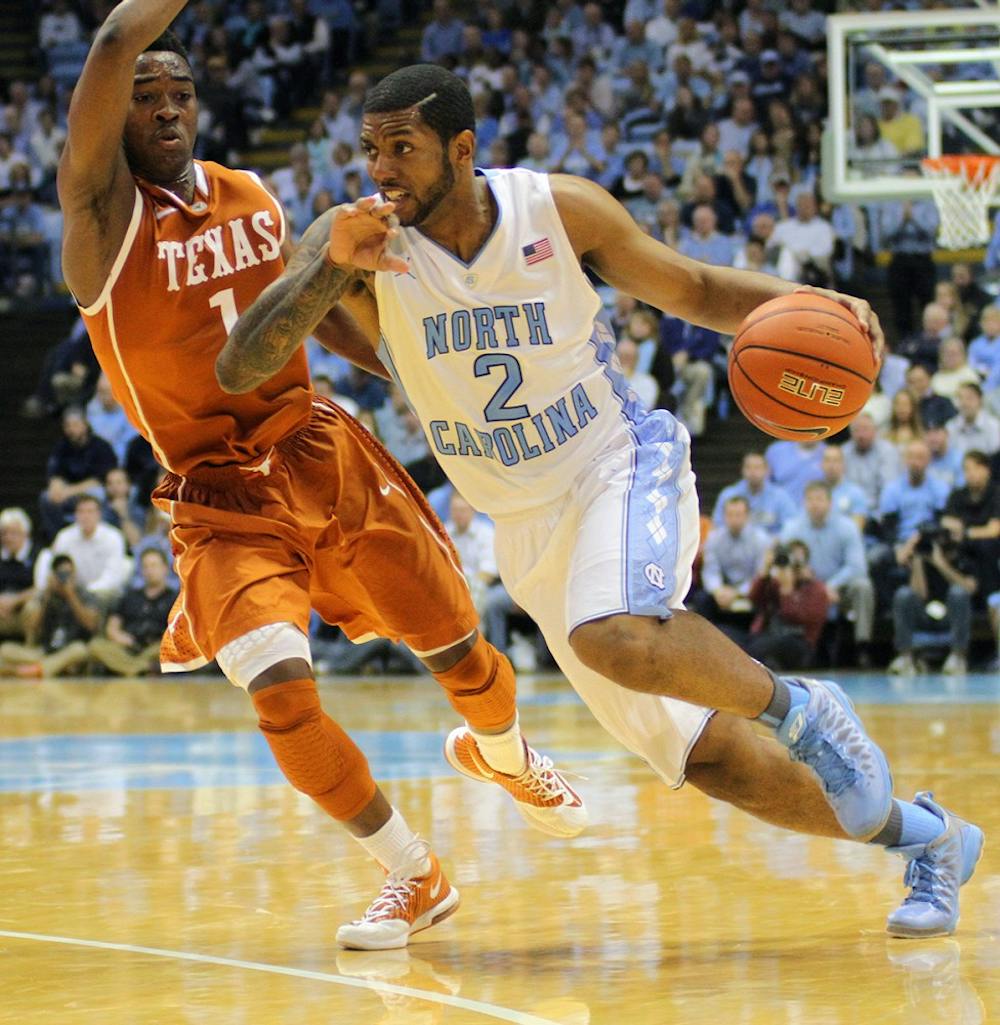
<point>155,761</point>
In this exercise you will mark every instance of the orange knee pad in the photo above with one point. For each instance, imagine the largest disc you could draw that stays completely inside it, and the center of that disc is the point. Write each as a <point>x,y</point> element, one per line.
<point>317,757</point>
<point>481,687</point>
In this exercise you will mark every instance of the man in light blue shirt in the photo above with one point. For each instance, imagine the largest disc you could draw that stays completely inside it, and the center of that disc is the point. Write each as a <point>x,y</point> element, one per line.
<point>870,461</point>
<point>443,36</point>
<point>914,497</point>
<point>794,464</point>
<point>770,505</point>
<point>848,498</point>
<point>837,558</point>
<point>705,243</point>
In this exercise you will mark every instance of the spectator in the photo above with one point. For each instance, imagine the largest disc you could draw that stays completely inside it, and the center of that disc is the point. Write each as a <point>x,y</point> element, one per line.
<point>838,560</point>
<point>848,498</point>
<point>972,517</point>
<point>973,427</point>
<point>693,351</point>
<point>736,131</point>
<point>17,563</point>
<point>905,424</point>
<point>733,556</point>
<point>954,369</point>
<point>68,618</point>
<point>131,642</point>
<point>403,436</point>
<point>806,242</point>
<point>973,297</point>
<point>58,26</point>
<point>644,385</point>
<point>790,606</point>
<point>946,295</point>
<point>661,29</point>
<point>77,465</point>
<point>946,461</point>
<point>870,461</point>
<point>473,539</point>
<point>912,499</point>
<point>771,82</point>
<point>869,151</point>
<point>908,229</point>
<point>24,249</point>
<point>581,152</point>
<point>107,419</point>
<point>120,509</point>
<point>923,346</point>
<point>97,550</point>
<point>770,506</point>
<point>984,352</point>
<point>442,37</point>
<point>804,23</point>
<point>705,243</point>
<point>794,464</point>
<point>903,130</point>
<point>932,408</point>
<point>939,594</point>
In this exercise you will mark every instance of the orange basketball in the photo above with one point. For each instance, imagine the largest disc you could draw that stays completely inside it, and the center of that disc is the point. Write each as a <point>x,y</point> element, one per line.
<point>801,367</point>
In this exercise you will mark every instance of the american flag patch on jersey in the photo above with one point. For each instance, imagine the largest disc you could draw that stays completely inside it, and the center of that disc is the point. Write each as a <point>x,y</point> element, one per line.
<point>537,251</point>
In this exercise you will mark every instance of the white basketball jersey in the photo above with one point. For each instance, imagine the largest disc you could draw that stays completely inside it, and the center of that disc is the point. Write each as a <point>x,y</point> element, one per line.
<point>502,358</point>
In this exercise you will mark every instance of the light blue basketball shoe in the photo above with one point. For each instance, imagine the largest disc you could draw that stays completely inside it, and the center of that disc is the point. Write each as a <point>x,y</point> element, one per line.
<point>826,735</point>
<point>934,873</point>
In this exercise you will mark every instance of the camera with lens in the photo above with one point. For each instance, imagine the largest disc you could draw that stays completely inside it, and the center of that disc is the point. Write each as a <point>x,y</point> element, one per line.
<point>782,556</point>
<point>929,534</point>
<point>64,574</point>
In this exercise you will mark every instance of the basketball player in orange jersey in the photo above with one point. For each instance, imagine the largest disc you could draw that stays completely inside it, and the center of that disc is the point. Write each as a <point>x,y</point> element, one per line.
<point>280,503</point>
<point>492,328</point>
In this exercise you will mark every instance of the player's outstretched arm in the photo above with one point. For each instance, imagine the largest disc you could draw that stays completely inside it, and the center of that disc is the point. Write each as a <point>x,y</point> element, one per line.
<point>96,189</point>
<point>607,239</point>
<point>335,248</point>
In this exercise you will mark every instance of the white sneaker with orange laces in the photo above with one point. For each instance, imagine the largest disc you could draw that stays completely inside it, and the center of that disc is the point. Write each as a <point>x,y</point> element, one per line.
<point>407,904</point>
<point>541,793</point>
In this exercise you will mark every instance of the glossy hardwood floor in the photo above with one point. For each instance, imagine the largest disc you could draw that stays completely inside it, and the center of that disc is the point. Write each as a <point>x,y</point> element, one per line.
<point>155,870</point>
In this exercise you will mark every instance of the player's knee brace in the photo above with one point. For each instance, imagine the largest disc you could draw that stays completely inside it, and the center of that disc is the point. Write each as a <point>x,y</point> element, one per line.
<point>317,757</point>
<point>246,657</point>
<point>481,686</point>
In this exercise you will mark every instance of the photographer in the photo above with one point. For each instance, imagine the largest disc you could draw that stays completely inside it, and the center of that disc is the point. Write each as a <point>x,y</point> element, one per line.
<point>69,616</point>
<point>791,607</point>
<point>972,518</point>
<point>939,595</point>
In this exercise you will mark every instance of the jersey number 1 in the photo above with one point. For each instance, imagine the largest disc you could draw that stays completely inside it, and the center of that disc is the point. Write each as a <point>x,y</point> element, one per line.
<point>225,303</point>
<point>497,408</point>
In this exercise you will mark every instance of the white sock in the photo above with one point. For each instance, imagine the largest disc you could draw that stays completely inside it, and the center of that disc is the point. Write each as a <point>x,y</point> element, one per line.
<point>503,751</point>
<point>387,844</point>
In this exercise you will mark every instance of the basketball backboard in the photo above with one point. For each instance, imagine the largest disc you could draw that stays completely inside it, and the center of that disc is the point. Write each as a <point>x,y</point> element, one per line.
<point>944,65</point>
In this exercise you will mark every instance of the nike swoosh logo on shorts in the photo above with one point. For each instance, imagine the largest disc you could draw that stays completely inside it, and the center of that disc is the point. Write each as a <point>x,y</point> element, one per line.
<point>436,888</point>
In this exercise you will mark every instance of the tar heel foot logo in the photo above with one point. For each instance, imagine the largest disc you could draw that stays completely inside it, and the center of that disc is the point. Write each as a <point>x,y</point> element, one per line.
<point>655,575</point>
<point>803,387</point>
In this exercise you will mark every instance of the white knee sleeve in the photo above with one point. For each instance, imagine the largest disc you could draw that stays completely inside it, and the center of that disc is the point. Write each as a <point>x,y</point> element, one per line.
<point>246,657</point>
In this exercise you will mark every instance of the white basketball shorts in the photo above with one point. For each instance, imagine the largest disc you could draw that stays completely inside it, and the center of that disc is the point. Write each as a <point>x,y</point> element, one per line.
<point>622,540</point>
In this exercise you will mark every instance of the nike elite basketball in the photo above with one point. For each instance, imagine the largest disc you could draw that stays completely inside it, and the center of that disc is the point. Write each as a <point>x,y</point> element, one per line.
<point>801,367</point>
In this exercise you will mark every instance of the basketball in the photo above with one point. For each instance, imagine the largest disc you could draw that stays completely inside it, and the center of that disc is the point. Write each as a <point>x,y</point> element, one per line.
<point>801,367</point>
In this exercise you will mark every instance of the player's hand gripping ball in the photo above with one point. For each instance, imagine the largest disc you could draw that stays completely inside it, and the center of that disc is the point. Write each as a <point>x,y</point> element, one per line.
<point>802,366</point>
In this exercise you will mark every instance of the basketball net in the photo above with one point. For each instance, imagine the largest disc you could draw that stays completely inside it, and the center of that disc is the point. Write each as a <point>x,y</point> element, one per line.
<point>964,189</point>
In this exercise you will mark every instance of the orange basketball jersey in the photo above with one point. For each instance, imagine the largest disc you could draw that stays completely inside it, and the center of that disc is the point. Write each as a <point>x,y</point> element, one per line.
<point>181,278</point>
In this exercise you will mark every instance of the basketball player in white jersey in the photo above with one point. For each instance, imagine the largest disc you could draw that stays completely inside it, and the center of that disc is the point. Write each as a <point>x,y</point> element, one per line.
<point>471,285</point>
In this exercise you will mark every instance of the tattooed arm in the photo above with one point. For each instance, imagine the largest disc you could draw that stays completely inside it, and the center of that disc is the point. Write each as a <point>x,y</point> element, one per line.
<point>337,246</point>
<point>284,314</point>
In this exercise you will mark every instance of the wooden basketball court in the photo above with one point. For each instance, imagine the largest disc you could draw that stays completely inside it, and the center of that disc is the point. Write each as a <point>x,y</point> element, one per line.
<point>155,870</point>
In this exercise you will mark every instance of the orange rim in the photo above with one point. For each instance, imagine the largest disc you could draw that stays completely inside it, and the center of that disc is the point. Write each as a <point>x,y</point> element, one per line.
<point>967,165</point>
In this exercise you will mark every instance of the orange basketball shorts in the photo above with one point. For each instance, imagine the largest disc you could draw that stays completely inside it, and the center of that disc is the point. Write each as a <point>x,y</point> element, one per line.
<point>327,520</point>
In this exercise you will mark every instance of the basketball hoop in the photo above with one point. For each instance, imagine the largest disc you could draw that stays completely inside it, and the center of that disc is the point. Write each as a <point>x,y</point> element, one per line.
<point>964,189</point>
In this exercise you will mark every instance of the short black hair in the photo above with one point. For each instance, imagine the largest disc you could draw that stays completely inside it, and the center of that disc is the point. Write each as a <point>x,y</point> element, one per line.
<point>170,42</point>
<point>444,101</point>
<point>62,560</point>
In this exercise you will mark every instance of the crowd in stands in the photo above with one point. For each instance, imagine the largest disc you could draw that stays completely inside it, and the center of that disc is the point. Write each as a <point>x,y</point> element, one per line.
<point>705,121</point>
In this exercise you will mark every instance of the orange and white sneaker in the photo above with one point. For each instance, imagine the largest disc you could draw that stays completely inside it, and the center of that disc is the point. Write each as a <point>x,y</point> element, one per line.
<point>407,904</point>
<point>541,793</point>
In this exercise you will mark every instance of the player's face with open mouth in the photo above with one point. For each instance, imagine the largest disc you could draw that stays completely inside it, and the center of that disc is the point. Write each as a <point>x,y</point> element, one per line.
<point>162,119</point>
<point>407,162</point>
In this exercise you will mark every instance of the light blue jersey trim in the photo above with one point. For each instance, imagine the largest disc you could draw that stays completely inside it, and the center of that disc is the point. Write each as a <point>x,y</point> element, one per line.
<point>489,238</point>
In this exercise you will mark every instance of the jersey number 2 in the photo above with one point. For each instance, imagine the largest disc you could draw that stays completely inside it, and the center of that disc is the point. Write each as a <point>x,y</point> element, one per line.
<point>497,408</point>
<point>225,303</point>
